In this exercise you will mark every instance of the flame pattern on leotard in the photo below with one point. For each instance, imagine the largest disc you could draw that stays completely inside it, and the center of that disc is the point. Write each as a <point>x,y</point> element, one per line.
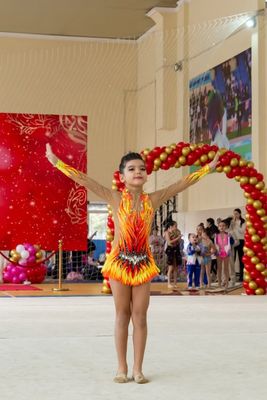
<point>131,261</point>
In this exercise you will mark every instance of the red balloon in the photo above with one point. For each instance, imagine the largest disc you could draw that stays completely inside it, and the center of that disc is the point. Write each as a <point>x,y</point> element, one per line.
<point>250,292</point>
<point>245,285</point>
<point>261,282</point>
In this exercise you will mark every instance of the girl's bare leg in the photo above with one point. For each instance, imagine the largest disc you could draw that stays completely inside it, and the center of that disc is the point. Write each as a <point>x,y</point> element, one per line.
<point>226,271</point>
<point>170,271</point>
<point>175,275</point>
<point>208,268</point>
<point>201,283</point>
<point>140,303</point>
<point>122,295</point>
<point>219,271</point>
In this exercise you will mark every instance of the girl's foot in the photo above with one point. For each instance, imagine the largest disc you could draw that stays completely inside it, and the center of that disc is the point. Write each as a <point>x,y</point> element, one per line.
<point>139,378</point>
<point>170,286</point>
<point>121,377</point>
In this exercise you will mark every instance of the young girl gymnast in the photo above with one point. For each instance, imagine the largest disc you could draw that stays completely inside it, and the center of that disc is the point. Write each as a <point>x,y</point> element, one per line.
<point>130,265</point>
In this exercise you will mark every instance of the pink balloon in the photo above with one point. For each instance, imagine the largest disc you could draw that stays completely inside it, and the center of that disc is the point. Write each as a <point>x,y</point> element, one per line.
<point>15,279</point>
<point>22,277</point>
<point>13,271</point>
<point>9,266</point>
<point>7,277</point>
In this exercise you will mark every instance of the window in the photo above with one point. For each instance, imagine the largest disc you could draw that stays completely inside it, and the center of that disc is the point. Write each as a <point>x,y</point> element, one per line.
<point>97,220</point>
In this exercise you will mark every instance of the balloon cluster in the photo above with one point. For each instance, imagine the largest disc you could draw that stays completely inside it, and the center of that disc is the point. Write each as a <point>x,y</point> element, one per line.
<point>25,265</point>
<point>234,166</point>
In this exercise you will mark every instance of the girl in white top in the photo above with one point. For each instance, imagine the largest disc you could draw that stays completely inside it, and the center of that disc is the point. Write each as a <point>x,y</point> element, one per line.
<point>238,227</point>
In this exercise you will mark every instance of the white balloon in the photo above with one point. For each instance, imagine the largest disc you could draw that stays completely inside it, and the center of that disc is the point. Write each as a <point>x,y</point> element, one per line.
<point>20,248</point>
<point>25,254</point>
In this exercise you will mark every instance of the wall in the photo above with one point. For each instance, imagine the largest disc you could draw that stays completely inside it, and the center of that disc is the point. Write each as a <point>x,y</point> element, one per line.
<point>85,77</point>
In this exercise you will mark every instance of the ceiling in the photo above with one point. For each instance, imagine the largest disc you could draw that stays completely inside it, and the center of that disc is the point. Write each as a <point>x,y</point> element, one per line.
<point>81,18</point>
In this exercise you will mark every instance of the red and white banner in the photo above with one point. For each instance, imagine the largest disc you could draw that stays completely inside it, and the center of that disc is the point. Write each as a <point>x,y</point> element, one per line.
<point>38,204</point>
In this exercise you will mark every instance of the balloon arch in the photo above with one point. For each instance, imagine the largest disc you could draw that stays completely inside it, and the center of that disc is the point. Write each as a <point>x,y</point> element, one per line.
<point>234,166</point>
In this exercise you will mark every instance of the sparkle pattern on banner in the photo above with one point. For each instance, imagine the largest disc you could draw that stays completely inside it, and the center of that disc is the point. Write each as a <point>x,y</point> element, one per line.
<point>38,204</point>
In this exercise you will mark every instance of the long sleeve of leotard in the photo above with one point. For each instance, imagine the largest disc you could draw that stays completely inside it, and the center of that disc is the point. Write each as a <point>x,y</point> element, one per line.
<point>84,180</point>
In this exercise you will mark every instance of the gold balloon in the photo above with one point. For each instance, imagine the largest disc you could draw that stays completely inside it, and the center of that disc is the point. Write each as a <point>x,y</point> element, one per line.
<point>234,162</point>
<point>264,219</point>
<point>106,290</point>
<point>109,238</point>
<point>155,168</point>
<point>247,195</point>
<point>251,231</point>
<point>197,163</point>
<point>177,164</point>
<point>110,213</point>
<point>260,291</point>
<point>255,238</point>
<point>264,273</point>
<point>211,154</point>
<point>261,212</point>
<point>227,169</point>
<point>253,285</point>
<point>193,147</point>
<point>247,278</point>
<point>244,180</point>
<point>39,254</point>
<point>260,185</point>
<point>186,151</point>
<point>157,162</point>
<point>250,201</point>
<point>250,164</point>
<point>247,217</point>
<point>250,253</point>
<point>237,178</point>
<point>182,160</point>
<point>13,252</point>
<point>249,224</point>
<point>245,248</point>
<point>253,180</point>
<point>242,162</point>
<point>257,204</point>
<point>163,156</point>
<point>255,260</point>
<point>146,152</point>
<point>114,187</point>
<point>264,240</point>
<point>219,169</point>
<point>168,150</point>
<point>260,267</point>
<point>265,226</point>
<point>173,146</point>
<point>204,158</point>
<point>15,257</point>
<point>222,150</point>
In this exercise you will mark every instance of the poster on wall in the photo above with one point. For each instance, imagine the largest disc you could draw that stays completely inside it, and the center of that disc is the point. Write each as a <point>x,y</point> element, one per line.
<point>220,105</point>
<point>38,204</point>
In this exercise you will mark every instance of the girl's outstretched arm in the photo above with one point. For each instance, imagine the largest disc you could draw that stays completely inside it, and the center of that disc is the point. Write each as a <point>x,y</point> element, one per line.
<point>160,196</point>
<point>79,177</point>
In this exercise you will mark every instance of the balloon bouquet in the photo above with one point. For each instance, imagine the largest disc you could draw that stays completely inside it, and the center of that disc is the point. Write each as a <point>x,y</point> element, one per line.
<point>25,265</point>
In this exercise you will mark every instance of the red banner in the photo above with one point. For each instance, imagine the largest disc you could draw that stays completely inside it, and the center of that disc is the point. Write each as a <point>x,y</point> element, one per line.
<point>38,204</point>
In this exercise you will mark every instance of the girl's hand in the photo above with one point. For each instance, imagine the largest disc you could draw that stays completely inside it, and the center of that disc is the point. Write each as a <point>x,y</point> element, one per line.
<point>214,162</point>
<point>50,155</point>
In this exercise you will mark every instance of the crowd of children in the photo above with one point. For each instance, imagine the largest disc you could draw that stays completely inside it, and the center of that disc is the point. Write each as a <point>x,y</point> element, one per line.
<point>209,256</point>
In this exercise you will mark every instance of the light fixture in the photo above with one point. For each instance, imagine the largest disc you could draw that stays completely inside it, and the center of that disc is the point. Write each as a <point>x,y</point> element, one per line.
<point>251,23</point>
<point>178,66</point>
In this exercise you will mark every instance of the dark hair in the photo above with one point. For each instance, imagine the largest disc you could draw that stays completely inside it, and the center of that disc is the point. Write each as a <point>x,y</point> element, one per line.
<point>129,157</point>
<point>211,221</point>
<point>227,221</point>
<point>215,110</point>
<point>169,224</point>
<point>241,218</point>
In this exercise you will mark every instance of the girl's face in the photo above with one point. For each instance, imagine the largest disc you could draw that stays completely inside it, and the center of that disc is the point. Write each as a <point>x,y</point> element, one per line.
<point>236,215</point>
<point>134,174</point>
<point>193,239</point>
<point>205,236</point>
<point>222,227</point>
<point>199,230</point>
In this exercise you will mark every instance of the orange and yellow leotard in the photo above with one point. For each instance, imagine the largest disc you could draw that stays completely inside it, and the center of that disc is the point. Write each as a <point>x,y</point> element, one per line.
<point>131,261</point>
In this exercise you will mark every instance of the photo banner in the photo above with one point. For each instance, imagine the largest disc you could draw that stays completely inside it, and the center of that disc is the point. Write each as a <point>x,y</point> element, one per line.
<point>220,105</point>
<point>38,204</point>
